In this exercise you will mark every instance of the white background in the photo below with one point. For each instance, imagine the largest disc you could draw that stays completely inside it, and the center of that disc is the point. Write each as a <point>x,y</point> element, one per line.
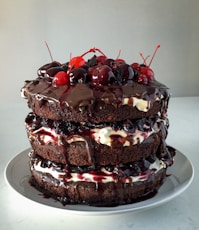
<point>74,26</point>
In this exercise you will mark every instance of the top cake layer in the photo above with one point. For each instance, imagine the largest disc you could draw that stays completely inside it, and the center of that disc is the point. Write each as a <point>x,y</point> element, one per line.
<point>99,90</point>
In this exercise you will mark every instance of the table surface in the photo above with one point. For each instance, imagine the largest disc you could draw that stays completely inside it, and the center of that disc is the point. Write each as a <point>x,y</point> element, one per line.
<point>182,212</point>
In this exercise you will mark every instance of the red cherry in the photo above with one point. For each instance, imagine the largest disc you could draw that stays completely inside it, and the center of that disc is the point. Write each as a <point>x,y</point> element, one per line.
<point>147,71</point>
<point>79,61</point>
<point>76,62</point>
<point>135,66</point>
<point>101,59</point>
<point>142,79</point>
<point>119,61</point>
<point>61,78</point>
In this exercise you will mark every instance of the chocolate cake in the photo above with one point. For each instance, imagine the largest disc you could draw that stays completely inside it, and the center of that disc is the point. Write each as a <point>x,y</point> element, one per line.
<point>97,129</point>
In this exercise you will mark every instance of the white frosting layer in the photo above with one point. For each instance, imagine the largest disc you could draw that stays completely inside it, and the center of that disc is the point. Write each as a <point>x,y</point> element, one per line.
<point>103,176</point>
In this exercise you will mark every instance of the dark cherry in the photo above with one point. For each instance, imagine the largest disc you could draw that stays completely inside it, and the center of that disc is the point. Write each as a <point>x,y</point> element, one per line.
<point>93,61</point>
<point>53,70</point>
<point>117,73</point>
<point>126,72</point>
<point>109,62</point>
<point>85,67</point>
<point>90,71</point>
<point>42,70</point>
<point>135,66</point>
<point>103,75</point>
<point>65,66</point>
<point>101,59</point>
<point>78,75</point>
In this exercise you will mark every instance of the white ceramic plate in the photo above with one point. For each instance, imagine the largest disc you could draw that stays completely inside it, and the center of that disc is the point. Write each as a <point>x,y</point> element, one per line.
<point>17,175</point>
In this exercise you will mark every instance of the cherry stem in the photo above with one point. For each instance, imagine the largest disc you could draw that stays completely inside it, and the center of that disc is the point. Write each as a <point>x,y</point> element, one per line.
<point>118,54</point>
<point>51,57</point>
<point>144,59</point>
<point>156,49</point>
<point>93,50</point>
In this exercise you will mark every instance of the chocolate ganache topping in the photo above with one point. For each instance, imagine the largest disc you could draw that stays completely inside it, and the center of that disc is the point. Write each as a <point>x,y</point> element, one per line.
<point>86,91</point>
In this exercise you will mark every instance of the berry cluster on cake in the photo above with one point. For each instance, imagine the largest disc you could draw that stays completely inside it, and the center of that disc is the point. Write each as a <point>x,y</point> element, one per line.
<point>97,130</point>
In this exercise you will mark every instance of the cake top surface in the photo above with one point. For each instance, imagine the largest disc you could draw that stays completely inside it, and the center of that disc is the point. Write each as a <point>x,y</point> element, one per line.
<point>98,73</point>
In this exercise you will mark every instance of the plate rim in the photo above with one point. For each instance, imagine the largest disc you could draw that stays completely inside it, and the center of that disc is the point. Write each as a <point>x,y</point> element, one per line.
<point>110,210</point>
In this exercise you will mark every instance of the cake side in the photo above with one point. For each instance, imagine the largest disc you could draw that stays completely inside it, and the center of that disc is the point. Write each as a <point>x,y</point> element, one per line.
<point>96,144</point>
<point>98,130</point>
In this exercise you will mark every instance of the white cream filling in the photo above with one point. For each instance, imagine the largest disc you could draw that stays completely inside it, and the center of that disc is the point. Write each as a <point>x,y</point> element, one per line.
<point>105,177</point>
<point>104,135</point>
<point>140,104</point>
<point>100,135</point>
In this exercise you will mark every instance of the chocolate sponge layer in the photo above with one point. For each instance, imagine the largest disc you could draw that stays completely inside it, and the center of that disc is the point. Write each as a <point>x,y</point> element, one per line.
<point>100,194</point>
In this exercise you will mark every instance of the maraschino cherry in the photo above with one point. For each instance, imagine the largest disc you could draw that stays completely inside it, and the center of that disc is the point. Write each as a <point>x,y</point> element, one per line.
<point>99,70</point>
<point>74,73</point>
<point>78,61</point>
<point>119,60</point>
<point>60,78</point>
<point>145,73</point>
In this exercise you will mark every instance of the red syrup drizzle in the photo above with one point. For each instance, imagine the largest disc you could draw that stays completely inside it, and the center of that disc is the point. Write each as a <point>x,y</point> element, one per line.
<point>98,176</point>
<point>44,132</point>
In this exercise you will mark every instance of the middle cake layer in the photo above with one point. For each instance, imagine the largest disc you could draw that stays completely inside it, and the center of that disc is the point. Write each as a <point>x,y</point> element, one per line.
<point>102,144</point>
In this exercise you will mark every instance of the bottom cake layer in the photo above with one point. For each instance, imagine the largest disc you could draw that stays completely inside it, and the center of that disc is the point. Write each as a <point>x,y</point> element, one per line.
<point>101,186</point>
<point>99,194</point>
